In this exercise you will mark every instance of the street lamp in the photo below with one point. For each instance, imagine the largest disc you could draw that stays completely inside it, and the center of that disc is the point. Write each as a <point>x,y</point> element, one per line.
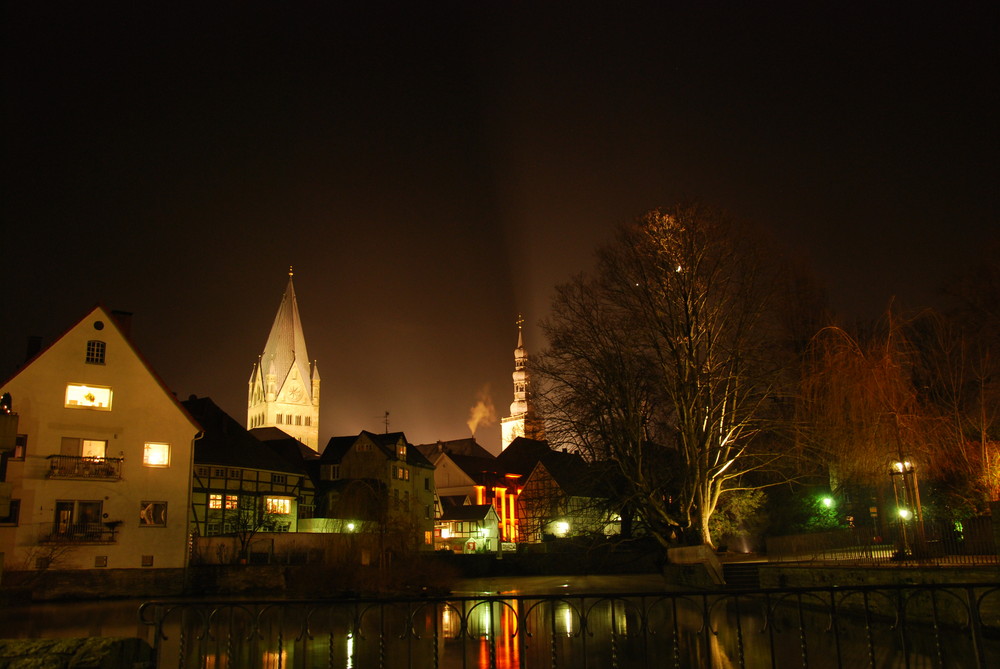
<point>903,474</point>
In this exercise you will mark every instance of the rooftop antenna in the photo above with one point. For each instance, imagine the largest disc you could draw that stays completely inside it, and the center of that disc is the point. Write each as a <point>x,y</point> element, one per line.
<point>386,421</point>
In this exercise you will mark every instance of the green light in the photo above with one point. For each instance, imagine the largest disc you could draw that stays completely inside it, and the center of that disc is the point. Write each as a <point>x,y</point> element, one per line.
<point>827,502</point>
<point>905,514</point>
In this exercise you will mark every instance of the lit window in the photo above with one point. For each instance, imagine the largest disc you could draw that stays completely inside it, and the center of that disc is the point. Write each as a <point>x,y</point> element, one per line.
<point>428,537</point>
<point>215,501</point>
<point>91,448</point>
<point>152,514</point>
<point>279,505</point>
<point>79,396</point>
<point>95,352</point>
<point>232,501</point>
<point>156,455</point>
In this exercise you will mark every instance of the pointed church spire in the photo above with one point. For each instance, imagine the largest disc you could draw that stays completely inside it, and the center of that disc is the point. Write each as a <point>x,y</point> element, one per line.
<point>288,389</point>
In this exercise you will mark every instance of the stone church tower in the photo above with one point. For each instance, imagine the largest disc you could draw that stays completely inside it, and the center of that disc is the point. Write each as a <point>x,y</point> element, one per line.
<point>283,390</point>
<point>522,421</point>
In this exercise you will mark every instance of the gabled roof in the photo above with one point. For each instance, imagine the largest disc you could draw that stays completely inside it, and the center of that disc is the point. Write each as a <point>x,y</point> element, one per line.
<point>338,447</point>
<point>448,501</point>
<point>521,456</point>
<point>467,446</point>
<point>228,443</point>
<point>574,476</point>
<point>468,512</point>
<point>291,449</point>
<point>112,321</point>
<point>477,468</point>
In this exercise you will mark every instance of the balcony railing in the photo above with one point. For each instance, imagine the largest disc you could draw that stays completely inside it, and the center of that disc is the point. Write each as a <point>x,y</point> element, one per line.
<point>77,467</point>
<point>82,533</point>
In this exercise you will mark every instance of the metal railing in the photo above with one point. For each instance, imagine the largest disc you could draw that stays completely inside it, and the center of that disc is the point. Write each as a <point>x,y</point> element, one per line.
<point>84,533</point>
<point>906,626</point>
<point>936,543</point>
<point>78,467</point>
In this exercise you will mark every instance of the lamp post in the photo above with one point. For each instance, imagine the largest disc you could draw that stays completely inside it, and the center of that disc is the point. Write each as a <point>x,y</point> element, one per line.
<point>903,474</point>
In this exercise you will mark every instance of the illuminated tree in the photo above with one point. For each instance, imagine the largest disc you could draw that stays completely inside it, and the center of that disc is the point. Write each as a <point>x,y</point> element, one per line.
<point>666,362</point>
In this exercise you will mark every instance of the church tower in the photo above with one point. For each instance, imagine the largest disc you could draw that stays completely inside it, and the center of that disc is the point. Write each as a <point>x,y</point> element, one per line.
<point>522,421</point>
<point>283,390</point>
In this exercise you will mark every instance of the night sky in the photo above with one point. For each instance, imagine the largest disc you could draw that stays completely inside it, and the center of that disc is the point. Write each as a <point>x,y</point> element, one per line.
<point>432,172</point>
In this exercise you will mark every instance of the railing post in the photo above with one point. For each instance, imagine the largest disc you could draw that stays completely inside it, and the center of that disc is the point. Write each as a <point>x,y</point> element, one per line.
<point>975,627</point>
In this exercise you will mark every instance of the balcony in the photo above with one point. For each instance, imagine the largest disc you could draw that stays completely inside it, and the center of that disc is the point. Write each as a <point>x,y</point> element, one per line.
<point>83,533</point>
<point>77,467</point>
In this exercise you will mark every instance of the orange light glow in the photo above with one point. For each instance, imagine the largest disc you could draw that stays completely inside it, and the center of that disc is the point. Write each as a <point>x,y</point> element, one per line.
<point>480,494</point>
<point>501,506</point>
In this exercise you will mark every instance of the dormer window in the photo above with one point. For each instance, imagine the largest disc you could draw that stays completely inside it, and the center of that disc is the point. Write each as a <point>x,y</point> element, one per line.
<point>401,451</point>
<point>95,352</point>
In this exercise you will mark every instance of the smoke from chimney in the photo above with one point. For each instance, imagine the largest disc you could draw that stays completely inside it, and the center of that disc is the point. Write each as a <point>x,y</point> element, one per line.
<point>482,413</point>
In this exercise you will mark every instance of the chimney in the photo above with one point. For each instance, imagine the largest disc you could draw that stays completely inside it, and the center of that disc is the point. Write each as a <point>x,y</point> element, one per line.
<point>34,346</point>
<point>124,320</point>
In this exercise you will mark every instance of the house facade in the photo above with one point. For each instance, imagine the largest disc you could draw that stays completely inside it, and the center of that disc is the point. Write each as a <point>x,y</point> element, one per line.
<point>472,528</point>
<point>564,496</point>
<point>376,483</point>
<point>101,466</point>
<point>240,485</point>
<point>467,474</point>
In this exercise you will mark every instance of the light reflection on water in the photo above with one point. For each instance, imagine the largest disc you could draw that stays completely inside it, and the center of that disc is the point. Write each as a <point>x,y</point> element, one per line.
<point>503,632</point>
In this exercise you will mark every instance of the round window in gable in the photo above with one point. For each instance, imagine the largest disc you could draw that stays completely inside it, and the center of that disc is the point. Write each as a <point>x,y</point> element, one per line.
<point>98,325</point>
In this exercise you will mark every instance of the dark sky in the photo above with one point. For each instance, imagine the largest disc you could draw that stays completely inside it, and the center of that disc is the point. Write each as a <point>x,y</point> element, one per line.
<point>431,172</point>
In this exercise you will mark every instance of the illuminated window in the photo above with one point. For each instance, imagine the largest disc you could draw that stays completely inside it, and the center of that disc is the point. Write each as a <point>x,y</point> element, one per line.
<point>91,448</point>
<point>215,501</point>
<point>428,537</point>
<point>278,505</point>
<point>152,514</point>
<point>95,352</point>
<point>79,396</point>
<point>232,501</point>
<point>156,455</point>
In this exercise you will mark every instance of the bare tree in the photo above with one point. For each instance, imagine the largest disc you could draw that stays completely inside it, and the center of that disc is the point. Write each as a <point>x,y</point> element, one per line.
<point>664,363</point>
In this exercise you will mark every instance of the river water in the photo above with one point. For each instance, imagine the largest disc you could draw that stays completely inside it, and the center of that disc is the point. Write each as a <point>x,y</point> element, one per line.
<point>578,628</point>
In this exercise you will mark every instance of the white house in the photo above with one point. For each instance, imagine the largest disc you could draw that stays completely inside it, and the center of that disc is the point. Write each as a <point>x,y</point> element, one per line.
<point>101,470</point>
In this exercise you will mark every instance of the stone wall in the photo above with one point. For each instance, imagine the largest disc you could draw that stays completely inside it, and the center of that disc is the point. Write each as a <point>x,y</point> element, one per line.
<point>20,586</point>
<point>93,653</point>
